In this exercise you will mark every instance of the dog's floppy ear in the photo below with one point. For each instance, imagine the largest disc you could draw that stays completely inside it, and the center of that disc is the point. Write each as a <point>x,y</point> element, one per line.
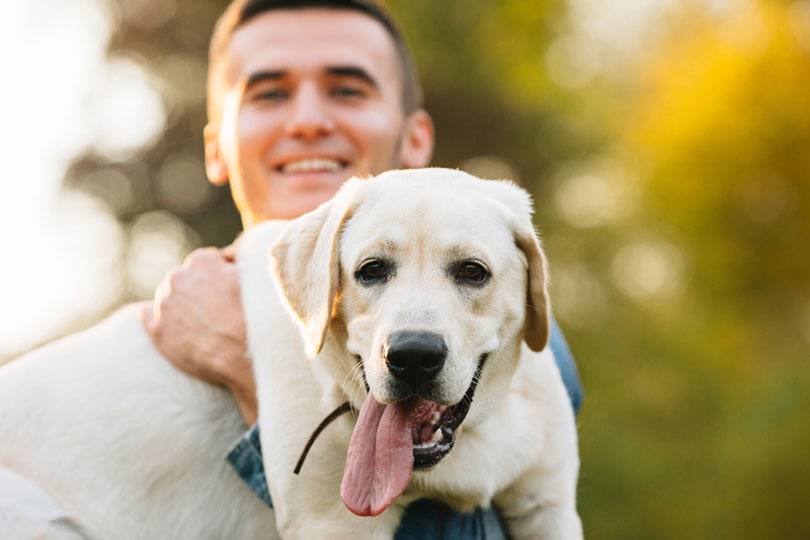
<point>517,207</point>
<point>537,305</point>
<point>305,259</point>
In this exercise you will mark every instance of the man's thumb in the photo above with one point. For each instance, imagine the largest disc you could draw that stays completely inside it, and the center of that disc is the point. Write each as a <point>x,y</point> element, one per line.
<point>147,316</point>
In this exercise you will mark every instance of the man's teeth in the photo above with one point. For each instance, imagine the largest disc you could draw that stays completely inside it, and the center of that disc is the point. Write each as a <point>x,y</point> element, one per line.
<point>311,165</point>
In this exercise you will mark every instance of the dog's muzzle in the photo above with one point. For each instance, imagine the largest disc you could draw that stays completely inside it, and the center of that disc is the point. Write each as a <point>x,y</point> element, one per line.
<point>392,440</point>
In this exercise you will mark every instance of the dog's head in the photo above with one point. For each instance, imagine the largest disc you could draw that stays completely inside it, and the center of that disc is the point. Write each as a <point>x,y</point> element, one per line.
<point>431,279</point>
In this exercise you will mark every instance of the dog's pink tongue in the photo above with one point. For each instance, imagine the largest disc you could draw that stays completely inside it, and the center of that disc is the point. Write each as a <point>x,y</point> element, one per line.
<point>380,458</point>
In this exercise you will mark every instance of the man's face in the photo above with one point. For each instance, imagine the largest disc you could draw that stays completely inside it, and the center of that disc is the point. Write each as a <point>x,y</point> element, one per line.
<point>309,98</point>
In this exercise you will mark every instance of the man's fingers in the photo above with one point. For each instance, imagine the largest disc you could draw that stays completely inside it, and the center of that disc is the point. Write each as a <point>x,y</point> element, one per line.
<point>147,316</point>
<point>229,253</point>
<point>203,256</point>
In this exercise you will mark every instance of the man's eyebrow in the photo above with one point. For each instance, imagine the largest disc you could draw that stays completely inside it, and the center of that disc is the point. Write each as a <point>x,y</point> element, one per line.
<point>353,72</point>
<point>262,76</point>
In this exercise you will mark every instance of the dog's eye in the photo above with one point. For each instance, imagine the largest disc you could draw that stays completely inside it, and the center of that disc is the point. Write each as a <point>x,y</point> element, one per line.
<point>472,273</point>
<point>371,271</point>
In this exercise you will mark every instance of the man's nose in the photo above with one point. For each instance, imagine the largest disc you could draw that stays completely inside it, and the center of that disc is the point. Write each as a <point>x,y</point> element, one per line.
<point>310,116</point>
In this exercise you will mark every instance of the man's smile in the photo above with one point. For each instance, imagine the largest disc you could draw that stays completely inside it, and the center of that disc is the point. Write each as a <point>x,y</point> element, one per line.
<point>311,165</point>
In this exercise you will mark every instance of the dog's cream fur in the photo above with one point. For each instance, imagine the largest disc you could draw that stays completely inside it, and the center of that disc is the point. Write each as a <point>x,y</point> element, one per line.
<point>131,448</point>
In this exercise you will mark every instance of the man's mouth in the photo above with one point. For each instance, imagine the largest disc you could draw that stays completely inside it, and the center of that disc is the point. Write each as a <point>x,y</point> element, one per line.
<point>312,165</point>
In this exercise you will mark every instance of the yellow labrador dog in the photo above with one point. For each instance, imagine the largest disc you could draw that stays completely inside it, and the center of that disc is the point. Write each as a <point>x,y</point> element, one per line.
<point>416,298</point>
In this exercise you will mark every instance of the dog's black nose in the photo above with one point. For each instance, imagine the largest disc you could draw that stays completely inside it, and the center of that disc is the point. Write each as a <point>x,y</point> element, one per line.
<point>415,357</point>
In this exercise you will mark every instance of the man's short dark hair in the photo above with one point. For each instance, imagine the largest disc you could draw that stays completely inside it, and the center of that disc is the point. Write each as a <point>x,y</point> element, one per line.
<point>241,11</point>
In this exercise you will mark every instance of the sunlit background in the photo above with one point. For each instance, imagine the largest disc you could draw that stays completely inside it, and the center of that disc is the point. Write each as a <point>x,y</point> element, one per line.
<point>667,143</point>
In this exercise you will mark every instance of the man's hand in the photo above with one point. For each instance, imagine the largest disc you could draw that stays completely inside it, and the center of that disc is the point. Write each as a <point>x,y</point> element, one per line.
<point>197,323</point>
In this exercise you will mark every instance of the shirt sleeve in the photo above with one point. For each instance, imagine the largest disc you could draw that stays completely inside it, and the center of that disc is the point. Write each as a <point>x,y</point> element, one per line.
<point>567,365</point>
<point>246,459</point>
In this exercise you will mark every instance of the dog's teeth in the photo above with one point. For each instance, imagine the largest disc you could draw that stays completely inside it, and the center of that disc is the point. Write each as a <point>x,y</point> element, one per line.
<point>435,439</point>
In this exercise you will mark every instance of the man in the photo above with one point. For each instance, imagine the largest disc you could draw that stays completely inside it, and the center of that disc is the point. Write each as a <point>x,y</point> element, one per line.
<point>302,95</point>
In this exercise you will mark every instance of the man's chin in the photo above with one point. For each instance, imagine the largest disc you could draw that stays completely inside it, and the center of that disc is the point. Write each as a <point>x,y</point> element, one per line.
<point>301,202</point>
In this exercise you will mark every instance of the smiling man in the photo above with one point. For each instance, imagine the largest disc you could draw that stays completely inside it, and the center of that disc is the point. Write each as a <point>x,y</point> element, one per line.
<point>302,100</point>
<point>302,95</point>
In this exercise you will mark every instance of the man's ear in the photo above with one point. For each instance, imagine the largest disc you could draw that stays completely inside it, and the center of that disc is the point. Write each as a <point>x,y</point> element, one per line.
<point>215,167</point>
<point>418,140</point>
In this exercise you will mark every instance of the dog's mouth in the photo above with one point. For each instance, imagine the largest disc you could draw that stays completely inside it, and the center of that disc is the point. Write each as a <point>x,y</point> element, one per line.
<point>390,441</point>
<point>435,435</point>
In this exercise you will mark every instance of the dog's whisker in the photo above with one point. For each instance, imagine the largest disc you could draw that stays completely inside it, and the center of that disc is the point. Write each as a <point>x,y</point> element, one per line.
<point>354,381</point>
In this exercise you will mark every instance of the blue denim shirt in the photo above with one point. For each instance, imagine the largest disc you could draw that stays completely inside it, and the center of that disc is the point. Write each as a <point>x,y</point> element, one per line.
<point>424,519</point>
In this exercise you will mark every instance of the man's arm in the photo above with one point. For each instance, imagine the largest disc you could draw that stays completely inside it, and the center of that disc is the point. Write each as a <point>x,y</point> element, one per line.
<point>197,323</point>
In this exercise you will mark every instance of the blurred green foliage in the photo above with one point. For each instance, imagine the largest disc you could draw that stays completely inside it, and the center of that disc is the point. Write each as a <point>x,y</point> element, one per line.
<point>672,177</point>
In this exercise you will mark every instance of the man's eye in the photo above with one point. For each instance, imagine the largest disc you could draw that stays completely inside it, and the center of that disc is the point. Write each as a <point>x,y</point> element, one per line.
<point>471,273</point>
<point>373,271</point>
<point>275,94</point>
<point>347,91</point>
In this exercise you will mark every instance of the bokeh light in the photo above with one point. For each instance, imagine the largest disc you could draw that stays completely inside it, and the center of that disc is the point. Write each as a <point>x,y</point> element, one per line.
<point>67,97</point>
<point>492,167</point>
<point>596,193</point>
<point>181,184</point>
<point>158,243</point>
<point>648,270</point>
<point>128,110</point>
